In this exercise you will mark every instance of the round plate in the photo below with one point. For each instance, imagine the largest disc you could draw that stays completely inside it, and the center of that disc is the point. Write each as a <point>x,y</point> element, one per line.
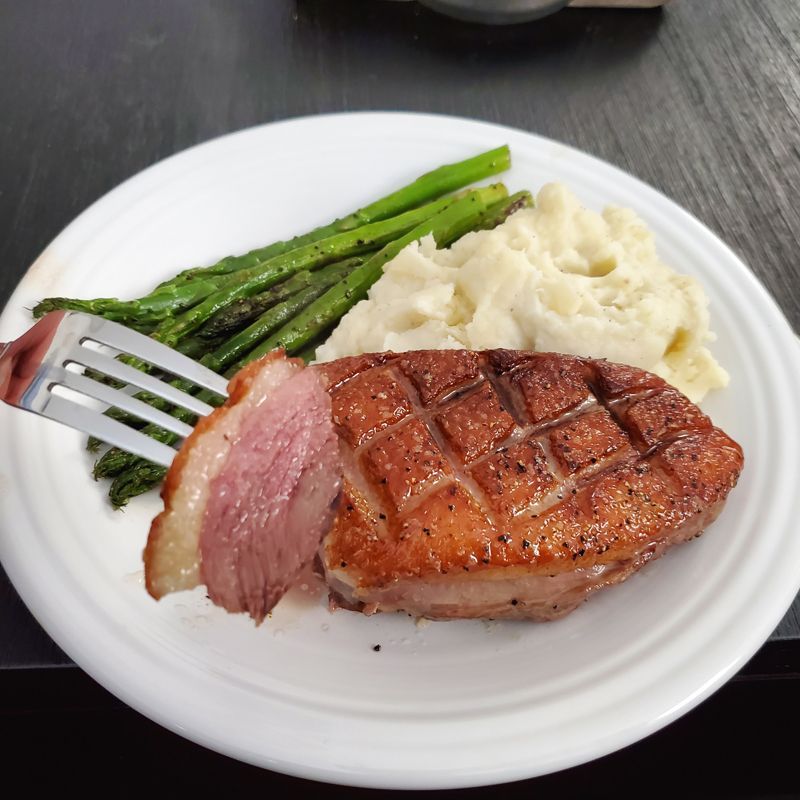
<point>446,704</point>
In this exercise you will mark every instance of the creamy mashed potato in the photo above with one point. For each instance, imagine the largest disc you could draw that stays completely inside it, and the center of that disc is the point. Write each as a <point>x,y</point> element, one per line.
<point>554,278</point>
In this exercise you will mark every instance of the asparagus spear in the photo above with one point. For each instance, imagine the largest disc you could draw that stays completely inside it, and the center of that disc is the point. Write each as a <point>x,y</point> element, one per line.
<point>116,462</point>
<point>244,341</point>
<point>140,314</point>
<point>503,209</point>
<point>135,480</point>
<point>238,314</point>
<point>135,475</point>
<point>196,347</point>
<point>427,187</point>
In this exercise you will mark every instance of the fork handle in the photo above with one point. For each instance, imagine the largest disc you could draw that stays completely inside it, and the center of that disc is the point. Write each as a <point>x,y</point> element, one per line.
<point>20,359</point>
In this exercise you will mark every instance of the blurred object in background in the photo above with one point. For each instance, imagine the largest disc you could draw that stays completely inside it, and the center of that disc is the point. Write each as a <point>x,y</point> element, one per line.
<point>617,3</point>
<point>507,12</point>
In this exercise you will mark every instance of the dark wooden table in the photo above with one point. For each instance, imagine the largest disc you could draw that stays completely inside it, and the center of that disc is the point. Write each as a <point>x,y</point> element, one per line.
<point>700,100</point>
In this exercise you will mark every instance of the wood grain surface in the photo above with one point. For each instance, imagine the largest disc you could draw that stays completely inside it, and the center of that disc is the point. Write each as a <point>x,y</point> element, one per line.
<point>701,99</point>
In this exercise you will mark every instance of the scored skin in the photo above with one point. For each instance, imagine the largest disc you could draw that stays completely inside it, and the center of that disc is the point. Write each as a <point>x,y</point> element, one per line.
<point>583,494</point>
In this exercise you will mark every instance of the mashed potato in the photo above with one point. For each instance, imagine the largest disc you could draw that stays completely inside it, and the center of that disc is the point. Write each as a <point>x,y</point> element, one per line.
<point>553,278</point>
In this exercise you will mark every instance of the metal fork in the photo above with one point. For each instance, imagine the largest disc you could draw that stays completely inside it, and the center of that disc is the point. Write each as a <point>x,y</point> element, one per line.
<point>36,363</point>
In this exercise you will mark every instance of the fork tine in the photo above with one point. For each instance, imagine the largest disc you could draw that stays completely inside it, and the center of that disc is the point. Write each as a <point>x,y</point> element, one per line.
<point>108,430</point>
<point>117,369</point>
<point>118,399</point>
<point>146,348</point>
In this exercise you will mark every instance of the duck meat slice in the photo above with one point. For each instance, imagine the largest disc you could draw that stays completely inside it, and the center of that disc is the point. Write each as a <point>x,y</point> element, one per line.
<point>251,491</point>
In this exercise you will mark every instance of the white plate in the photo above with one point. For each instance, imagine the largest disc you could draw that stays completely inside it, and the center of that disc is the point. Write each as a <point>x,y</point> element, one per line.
<point>449,704</point>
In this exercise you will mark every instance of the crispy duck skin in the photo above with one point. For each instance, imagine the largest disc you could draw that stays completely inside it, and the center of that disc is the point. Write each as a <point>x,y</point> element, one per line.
<point>509,484</point>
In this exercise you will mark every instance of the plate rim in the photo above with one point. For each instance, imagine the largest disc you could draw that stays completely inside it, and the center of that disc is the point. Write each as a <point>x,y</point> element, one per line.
<point>69,644</point>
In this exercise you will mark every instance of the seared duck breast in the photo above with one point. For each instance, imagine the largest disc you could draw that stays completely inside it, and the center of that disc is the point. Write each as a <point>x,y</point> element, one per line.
<point>511,484</point>
<point>441,483</point>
